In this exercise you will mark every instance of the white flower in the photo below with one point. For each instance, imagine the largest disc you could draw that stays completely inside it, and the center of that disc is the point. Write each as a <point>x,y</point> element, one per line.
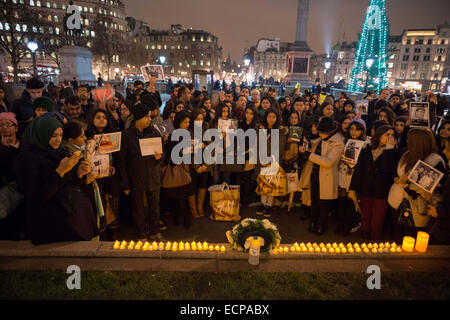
<point>235,228</point>
<point>267,224</point>
<point>245,223</point>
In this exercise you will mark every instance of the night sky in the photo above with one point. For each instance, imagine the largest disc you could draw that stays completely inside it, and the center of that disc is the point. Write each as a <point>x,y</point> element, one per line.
<point>240,23</point>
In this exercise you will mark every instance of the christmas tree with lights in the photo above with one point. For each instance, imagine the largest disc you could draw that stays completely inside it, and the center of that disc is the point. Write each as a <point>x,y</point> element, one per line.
<point>369,69</point>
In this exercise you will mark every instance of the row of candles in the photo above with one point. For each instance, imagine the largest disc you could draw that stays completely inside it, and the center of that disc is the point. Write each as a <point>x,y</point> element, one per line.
<point>168,246</point>
<point>339,248</point>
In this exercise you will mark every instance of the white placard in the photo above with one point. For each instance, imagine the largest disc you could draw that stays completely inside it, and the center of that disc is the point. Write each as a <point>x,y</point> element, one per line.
<point>152,71</point>
<point>352,150</point>
<point>425,176</point>
<point>150,146</point>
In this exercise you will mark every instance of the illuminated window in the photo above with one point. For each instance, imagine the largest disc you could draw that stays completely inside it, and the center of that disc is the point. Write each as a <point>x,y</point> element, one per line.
<point>48,5</point>
<point>31,3</point>
<point>201,62</point>
<point>1,26</point>
<point>57,30</point>
<point>49,18</point>
<point>91,10</point>
<point>38,3</point>
<point>55,6</point>
<point>55,18</point>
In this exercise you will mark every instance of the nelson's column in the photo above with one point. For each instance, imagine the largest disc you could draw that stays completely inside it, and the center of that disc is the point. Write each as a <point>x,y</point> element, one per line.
<point>299,54</point>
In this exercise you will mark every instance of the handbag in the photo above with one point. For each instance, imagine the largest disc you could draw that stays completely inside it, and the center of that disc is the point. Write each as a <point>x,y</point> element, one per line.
<point>10,198</point>
<point>405,215</point>
<point>175,177</point>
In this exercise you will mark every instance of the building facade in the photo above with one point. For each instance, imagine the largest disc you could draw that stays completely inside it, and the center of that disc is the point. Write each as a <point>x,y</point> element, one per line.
<point>270,59</point>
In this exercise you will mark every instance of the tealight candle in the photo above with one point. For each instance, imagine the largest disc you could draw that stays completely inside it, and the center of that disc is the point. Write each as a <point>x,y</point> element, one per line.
<point>311,250</point>
<point>122,247</point>
<point>355,245</point>
<point>205,244</point>
<point>315,245</point>
<point>181,246</point>
<point>337,250</point>
<point>174,247</point>
<point>408,244</point>
<point>351,250</point>
<point>168,247</point>
<point>341,245</point>
<point>364,245</point>
<point>381,245</point>
<point>304,249</point>
<point>275,251</point>
<point>161,246</point>
<point>298,249</point>
<point>211,247</point>
<point>124,243</point>
<point>392,249</point>
<point>295,244</point>
<point>369,246</point>
<point>130,246</point>
<point>222,249</point>
<point>286,249</point>
<point>217,248</point>
<point>349,245</point>
<point>308,244</point>
<point>146,247</point>
<point>324,250</point>
<point>335,245</point>
<point>399,250</point>
<point>199,244</point>
<point>194,246</point>
<point>187,246</point>
<point>387,244</point>
<point>317,250</point>
<point>366,250</point>
<point>292,249</point>
<point>116,245</point>
<point>374,250</point>
<point>328,246</point>
<point>358,249</point>
<point>331,250</point>
<point>302,244</point>
<point>422,241</point>
<point>322,245</point>
<point>343,250</point>
<point>393,244</point>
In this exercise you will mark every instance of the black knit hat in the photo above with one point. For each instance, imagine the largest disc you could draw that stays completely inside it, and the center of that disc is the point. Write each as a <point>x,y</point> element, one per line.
<point>140,110</point>
<point>44,103</point>
<point>327,125</point>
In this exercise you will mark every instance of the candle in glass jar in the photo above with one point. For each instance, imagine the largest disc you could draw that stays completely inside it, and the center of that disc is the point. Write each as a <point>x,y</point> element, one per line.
<point>422,241</point>
<point>161,246</point>
<point>408,244</point>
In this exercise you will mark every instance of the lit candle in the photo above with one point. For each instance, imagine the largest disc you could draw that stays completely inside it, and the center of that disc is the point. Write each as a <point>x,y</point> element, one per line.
<point>393,244</point>
<point>222,249</point>
<point>344,250</point>
<point>116,245</point>
<point>392,249</point>
<point>363,246</point>
<point>337,250</point>
<point>146,247</point>
<point>356,245</point>
<point>328,246</point>
<point>304,249</point>
<point>366,250</point>
<point>387,244</point>
<point>161,246</point>
<point>369,246</point>
<point>175,247</point>
<point>315,245</point>
<point>308,244</point>
<point>322,245</point>
<point>331,250</point>
<point>317,250</point>
<point>298,249</point>
<point>122,247</point>
<point>349,245</point>
<point>292,249</point>
<point>311,250</point>
<point>302,244</point>
<point>181,246</point>
<point>335,245</point>
<point>375,245</point>
<point>422,241</point>
<point>217,248</point>
<point>341,245</point>
<point>187,246</point>
<point>324,250</point>
<point>408,244</point>
<point>138,247</point>
<point>194,246</point>
<point>286,249</point>
<point>199,246</point>
<point>399,250</point>
<point>351,250</point>
<point>358,249</point>
<point>275,251</point>
<point>295,244</point>
<point>124,243</point>
<point>381,246</point>
<point>206,247</point>
<point>374,250</point>
<point>211,247</point>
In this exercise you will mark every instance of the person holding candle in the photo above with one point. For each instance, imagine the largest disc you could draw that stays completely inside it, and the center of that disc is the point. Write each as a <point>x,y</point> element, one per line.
<point>372,179</point>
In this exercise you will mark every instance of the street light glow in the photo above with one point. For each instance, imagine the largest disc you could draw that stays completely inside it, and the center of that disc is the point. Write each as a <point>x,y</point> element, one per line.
<point>369,63</point>
<point>328,65</point>
<point>33,46</point>
<point>162,59</point>
<point>246,62</point>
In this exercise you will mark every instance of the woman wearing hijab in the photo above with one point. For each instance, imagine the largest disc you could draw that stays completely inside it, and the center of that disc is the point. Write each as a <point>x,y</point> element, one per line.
<point>54,186</point>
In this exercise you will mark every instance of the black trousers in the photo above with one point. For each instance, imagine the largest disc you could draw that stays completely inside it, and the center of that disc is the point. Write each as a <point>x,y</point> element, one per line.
<point>319,208</point>
<point>346,214</point>
<point>145,211</point>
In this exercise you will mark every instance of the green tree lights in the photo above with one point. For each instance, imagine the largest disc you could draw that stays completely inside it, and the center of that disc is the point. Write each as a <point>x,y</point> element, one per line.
<point>372,45</point>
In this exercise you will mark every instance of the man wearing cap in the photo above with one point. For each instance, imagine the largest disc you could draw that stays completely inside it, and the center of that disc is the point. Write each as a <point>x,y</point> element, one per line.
<point>43,105</point>
<point>321,173</point>
<point>140,176</point>
<point>23,107</point>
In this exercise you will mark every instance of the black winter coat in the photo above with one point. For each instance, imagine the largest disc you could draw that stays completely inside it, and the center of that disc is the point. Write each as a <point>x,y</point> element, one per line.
<point>58,208</point>
<point>374,178</point>
<point>138,173</point>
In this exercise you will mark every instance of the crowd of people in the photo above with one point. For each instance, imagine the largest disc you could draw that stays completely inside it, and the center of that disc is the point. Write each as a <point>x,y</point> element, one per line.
<point>44,135</point>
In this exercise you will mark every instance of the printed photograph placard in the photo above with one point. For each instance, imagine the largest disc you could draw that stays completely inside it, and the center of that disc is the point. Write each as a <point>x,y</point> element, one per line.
<point>295,133</point>
<point>352,150</point>
<point>362,107</point>
<point>108,143</point>
<point>152,71</point>
<point>419,113</point>
<point>425,176</point>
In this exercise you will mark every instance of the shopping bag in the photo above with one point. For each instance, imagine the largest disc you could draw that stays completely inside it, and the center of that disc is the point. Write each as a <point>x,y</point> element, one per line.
<point>272,183</point>
<point>292,182</point>
<point>224,200</point>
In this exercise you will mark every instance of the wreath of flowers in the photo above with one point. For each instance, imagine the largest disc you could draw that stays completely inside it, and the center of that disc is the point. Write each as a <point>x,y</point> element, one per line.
<point>251,228</point>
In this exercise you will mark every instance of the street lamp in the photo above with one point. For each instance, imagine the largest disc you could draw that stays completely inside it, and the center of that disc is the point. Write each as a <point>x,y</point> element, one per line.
<point>162,59</point>
<point>369,63</point>
<point>246,62</point>
<point>33,46</point>
<point>327,67</point>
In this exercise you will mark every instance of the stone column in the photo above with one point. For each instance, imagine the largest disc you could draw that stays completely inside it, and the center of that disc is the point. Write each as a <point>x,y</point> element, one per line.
<point>76,62</point>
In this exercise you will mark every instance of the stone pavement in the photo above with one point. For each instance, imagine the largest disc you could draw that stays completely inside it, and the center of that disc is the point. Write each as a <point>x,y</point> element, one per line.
<point>22,255</point>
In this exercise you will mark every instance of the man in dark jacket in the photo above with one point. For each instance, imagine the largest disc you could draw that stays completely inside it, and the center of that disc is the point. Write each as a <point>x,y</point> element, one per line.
<point>140,176</point>
<point>23,107</point>
<point>374,106</point>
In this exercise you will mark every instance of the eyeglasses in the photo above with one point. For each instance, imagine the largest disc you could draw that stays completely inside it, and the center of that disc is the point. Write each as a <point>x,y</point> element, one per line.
<point>7,125</point>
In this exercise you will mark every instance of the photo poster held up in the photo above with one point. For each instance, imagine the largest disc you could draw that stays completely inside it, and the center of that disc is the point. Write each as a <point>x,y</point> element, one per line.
<point>362,107</point>
<point>149,71</point>
<point>419,113</point>
<point>352,150</point>
<point>295,133</point>
<point>224,124</point>
<point>425,176</point>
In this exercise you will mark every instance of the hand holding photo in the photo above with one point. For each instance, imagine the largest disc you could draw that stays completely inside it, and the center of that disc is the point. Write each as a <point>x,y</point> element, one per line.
<point>150,71</point>
<point>108,143</point>
<point>150,146</point>
<point>425,176</point>
<point>419,114</point>
<point>352,150</point>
